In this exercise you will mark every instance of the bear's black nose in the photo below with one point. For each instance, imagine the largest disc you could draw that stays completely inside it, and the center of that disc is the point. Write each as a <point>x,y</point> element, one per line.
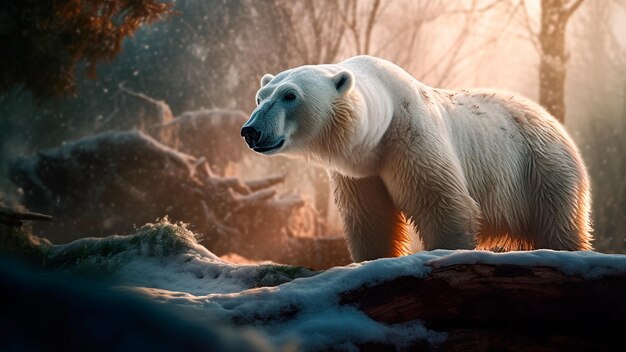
<point>251,135</point>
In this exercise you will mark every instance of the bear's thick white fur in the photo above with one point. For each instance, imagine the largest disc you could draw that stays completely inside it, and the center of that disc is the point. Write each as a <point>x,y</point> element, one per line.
<point>478,168</point>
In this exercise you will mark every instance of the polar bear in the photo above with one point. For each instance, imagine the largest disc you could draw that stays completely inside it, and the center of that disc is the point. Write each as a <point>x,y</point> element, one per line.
<point>468,169</point>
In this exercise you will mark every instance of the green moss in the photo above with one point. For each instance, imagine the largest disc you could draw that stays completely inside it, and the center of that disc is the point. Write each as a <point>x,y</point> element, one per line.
<point>276,274</point>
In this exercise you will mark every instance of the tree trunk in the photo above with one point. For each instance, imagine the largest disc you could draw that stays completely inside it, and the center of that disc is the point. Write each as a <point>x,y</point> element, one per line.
<point>553,57</point>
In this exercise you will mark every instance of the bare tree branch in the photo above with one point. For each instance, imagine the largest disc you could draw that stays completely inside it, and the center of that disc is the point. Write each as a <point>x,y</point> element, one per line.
<point>370,24</point>
<point>573,7</point>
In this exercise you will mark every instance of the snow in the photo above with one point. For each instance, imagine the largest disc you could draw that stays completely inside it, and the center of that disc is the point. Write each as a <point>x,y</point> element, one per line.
<point>307,310</point>
<point>288,305</point>
<point>167,257</point>
<point>589,265</point>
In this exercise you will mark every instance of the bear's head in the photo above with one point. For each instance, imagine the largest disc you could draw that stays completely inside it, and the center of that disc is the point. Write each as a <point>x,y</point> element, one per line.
<point>302,111</point>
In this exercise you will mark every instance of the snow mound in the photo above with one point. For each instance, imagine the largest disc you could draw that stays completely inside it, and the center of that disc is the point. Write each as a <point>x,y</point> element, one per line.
<point>165,256</point>
<point>307,310</point>
<point>289,305</point>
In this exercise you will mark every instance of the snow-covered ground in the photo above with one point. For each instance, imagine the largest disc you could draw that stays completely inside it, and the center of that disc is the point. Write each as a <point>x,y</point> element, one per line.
<point>287,305</point>
<point>165,256</point>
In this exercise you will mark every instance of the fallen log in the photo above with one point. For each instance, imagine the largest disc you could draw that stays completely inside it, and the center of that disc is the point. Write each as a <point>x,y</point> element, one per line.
<point>504,307</point>
<point>112,182</point>
<point>212,134</point>
<point>135,111</point>
<point>16,217</point>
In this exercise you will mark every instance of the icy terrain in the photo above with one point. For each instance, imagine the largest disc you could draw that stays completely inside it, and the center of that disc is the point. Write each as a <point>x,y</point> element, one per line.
<point>285,305</point>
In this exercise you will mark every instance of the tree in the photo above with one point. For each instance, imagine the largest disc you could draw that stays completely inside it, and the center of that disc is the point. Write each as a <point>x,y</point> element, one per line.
<point>553,56</point>
<point>314,30</point>
<point>46,41</point>
<point>361,25</point>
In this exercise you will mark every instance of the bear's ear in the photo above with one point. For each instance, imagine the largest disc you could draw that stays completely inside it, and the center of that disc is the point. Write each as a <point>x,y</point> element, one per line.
<point>266,79</point>
<point>343,81</point>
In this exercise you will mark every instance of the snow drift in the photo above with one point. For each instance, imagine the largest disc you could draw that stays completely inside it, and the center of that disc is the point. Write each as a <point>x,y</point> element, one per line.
<point>284,305</point>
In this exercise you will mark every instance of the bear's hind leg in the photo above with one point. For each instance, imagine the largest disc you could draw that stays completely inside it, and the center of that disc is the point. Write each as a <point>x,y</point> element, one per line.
<point>560,203</point>
<point>374,227</point>
<point>561,216</point>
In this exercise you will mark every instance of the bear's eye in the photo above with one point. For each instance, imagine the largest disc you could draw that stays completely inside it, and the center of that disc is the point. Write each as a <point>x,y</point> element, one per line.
<point>290,96</point>
<point>258,101</point>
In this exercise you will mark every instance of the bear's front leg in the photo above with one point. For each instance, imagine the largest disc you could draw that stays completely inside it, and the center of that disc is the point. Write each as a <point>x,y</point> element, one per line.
<point>374,227</point>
